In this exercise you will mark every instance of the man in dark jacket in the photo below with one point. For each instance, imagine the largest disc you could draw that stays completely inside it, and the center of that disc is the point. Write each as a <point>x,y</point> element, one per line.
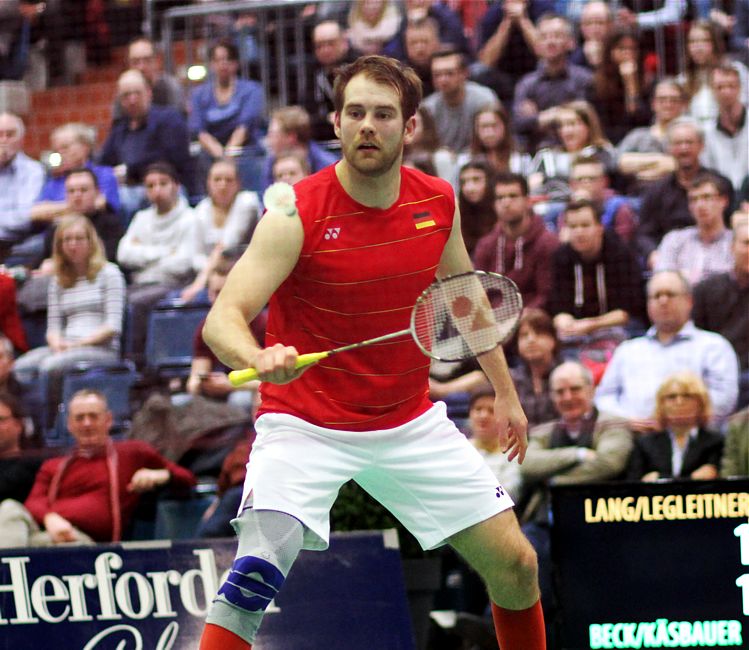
<point>597,286</point>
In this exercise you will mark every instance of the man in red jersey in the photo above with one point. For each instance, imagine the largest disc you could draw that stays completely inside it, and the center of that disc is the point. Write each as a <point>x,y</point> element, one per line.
<point>368,238</point>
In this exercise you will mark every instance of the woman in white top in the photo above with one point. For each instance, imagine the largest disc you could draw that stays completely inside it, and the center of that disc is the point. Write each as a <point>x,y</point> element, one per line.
<point>578,131</point>
<point>85,306</point>
<point>372,23</point>
<point>224,219</point>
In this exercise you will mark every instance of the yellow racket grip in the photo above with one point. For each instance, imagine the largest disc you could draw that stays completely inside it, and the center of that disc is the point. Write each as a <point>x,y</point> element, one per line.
<point>239,377</point>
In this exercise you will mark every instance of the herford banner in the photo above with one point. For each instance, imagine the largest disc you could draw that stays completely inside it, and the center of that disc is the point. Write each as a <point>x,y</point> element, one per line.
<point>154,596</point>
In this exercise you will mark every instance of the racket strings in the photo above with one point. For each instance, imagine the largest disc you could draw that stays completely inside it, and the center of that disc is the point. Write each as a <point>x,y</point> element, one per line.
<point>467,315</point>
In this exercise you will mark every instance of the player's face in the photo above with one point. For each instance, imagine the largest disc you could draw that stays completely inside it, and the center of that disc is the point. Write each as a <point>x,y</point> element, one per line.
<point>371,127</point>
<point>89,421</point>
<point>585,232</point>
<point>481,419</point>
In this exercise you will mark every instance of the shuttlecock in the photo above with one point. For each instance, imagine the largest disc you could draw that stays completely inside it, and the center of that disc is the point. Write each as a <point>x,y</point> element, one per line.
<point>280,197</point>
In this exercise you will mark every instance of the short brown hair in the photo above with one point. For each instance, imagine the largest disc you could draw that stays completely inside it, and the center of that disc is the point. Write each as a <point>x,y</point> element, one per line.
<point>294,119</point>
<point>382,70</point>
<point>580,203</point>
<point>540,322</point>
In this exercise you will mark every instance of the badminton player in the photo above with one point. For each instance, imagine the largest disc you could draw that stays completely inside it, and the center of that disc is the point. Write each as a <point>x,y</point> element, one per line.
<point>367,237</point>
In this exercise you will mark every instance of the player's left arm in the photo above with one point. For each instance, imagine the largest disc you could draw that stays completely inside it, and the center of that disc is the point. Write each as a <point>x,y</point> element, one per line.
<point>512,424</point>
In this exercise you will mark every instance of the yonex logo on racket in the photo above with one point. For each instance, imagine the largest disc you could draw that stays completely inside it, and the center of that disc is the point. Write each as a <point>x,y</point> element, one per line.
<point>332,233</point>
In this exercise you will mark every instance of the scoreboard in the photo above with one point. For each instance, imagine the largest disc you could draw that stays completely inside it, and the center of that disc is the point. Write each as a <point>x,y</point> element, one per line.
<point>651,565</point>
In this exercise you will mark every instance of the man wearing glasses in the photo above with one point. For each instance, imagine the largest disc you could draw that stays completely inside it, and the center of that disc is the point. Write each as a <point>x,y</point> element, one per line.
<point>704,249</point>
<point>672,344</point>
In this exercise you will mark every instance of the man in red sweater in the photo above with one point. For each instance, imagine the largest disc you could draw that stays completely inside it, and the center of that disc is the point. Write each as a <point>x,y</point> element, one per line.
<point>90,494</point>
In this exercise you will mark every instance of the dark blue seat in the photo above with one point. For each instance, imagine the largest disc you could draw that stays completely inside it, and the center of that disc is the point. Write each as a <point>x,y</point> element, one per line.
<point>169,342</point>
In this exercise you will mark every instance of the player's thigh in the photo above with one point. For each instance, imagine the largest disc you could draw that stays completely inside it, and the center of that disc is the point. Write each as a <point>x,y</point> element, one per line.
<point>294,469</point>
<point>496,546</point>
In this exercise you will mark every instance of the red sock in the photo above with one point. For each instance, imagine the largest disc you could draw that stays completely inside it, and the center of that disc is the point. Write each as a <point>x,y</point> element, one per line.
<point>216,637</point>
<point>522,629</point>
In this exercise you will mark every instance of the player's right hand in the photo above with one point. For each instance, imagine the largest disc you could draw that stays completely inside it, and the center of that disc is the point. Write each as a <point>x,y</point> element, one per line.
<point>277,364</point>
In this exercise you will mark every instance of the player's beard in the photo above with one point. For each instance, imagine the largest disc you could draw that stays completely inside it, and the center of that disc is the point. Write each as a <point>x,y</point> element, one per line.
<point>380,163</point>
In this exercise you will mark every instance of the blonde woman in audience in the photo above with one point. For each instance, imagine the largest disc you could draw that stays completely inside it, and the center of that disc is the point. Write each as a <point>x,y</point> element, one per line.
<point>684,447</point>
<point>86,299</point>
<point>224,219</point>
<point>372,23</point>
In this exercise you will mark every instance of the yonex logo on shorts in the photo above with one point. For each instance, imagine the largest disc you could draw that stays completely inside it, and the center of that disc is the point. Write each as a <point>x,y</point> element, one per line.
<point>332,233</point>
<point>500,492</point>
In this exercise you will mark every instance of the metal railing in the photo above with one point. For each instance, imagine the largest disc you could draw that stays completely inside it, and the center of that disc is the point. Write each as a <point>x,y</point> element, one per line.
<point>280,54</point>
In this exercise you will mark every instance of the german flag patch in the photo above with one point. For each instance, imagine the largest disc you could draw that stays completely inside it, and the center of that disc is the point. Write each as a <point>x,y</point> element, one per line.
<point>423,220</point>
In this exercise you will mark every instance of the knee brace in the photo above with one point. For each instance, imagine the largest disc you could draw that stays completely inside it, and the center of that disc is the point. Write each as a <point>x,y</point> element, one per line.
<point>252,583</point>
<point>269,542</point>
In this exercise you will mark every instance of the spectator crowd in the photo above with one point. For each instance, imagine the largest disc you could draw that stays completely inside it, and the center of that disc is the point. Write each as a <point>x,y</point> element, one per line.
<point>610,183</point>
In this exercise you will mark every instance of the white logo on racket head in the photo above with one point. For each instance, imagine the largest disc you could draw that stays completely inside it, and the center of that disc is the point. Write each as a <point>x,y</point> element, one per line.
<point>332,233</point>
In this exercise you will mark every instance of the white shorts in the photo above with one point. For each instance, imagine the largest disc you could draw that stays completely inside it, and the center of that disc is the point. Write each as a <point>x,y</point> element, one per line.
<point>425,472</point>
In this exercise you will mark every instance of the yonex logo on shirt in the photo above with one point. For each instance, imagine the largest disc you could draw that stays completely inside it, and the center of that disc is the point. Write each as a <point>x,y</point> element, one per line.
<point>332,233</point>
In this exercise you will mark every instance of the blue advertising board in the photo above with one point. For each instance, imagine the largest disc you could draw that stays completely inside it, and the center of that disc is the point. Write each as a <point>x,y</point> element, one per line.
<point>154,596</point>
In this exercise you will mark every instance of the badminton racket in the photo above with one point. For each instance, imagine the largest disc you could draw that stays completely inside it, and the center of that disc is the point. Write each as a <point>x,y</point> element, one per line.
<point>454,319</point>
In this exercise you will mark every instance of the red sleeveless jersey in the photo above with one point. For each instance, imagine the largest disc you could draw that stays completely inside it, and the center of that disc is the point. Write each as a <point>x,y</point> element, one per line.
<point>359,274</point>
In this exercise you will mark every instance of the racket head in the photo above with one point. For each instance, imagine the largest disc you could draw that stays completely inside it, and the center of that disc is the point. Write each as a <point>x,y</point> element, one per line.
<point>464,315</point>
